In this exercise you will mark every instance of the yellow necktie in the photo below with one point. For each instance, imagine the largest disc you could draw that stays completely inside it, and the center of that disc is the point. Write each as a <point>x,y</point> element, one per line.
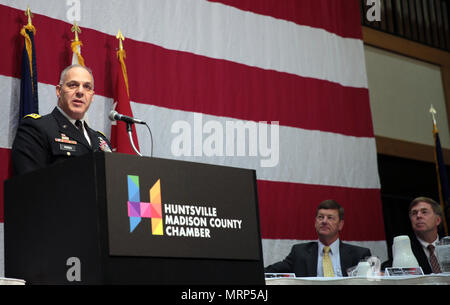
<point>326,262</point>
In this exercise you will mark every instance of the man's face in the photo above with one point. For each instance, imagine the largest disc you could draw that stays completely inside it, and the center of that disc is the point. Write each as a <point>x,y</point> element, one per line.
<point>76,93</point>
<point>328,224</point>
<point>423,219</point>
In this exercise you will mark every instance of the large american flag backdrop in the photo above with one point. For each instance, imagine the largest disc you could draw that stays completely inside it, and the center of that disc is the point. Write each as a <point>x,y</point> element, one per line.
<point>296,62</point>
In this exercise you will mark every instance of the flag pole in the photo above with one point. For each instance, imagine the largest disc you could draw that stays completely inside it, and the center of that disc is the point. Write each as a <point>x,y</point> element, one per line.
<point>77,44</point>
<point>29,99</point>
<point>441,197</point>
<point>28,42</point>
<point>122,102</point>
<point>121,55</point>
<point>29,15</point>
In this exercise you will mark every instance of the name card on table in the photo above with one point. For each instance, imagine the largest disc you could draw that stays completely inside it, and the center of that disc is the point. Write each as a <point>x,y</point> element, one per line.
<point>403,271</point>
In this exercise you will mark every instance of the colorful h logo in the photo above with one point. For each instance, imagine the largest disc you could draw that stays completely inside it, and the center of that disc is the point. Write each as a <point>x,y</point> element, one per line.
<point>138,210</point>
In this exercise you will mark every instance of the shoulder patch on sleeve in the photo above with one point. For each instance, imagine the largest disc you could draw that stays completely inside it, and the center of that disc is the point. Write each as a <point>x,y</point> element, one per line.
<point>32,115</point>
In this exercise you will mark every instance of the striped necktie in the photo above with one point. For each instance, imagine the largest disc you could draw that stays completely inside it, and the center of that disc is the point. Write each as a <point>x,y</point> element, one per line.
<point>326,263</point>
<point>433,260</point>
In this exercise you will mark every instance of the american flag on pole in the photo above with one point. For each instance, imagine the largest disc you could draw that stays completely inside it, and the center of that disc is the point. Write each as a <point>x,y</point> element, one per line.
<point>295,69</point>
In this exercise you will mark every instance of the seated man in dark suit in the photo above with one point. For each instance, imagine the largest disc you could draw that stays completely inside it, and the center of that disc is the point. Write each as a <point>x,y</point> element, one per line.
<point>425,215</point>
<point>327,257</point>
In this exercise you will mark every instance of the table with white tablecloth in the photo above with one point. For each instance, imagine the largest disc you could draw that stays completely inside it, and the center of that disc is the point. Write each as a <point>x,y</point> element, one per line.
<point>433,279</point>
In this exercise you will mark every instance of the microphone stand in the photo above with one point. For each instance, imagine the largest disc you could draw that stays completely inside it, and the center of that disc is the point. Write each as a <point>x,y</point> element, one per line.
<point>130,135</point>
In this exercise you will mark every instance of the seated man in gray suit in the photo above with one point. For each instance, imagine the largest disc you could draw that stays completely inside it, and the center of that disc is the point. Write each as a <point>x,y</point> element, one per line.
<point>327,257</point>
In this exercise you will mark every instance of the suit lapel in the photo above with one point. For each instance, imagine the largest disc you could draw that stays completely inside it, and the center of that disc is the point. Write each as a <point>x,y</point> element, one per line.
<point>346,256</point>
<point>343,258</point>
<point>67,128</point>
<point>420,255</point>
<point>312,259</point>
<point>95,141</point>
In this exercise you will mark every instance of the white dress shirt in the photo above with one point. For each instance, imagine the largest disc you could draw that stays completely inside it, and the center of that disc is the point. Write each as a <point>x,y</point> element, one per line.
<point>334,255</point>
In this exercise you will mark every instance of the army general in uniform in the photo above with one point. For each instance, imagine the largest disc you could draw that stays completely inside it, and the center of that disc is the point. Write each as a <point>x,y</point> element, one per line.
<point>43,140</point>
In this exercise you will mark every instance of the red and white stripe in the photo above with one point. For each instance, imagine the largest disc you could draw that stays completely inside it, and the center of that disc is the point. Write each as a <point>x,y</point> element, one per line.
<point>300,63</point>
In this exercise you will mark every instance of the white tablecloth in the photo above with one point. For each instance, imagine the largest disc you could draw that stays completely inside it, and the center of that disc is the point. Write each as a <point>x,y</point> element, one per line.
<point>9,281</point>
<point>434,279</point>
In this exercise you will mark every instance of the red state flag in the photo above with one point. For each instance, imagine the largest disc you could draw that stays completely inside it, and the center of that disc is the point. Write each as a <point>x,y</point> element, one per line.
<point>119,135</point>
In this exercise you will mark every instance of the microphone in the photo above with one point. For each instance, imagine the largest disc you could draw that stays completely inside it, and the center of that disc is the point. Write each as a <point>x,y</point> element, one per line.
<point>115,116</point>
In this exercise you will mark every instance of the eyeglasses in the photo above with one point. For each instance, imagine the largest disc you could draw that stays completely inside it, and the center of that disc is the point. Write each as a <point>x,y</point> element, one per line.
<point>321,217</point>
<point>424,212</point>
<point>74,85</point>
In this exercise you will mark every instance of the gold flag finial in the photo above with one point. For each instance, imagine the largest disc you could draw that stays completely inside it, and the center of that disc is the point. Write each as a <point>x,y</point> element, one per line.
<point>29,14</point>
<point>121,39</point>
<point>76,29</point>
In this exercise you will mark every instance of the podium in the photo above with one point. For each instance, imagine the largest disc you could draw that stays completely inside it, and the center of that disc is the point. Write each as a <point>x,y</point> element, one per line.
<point>109,218</point>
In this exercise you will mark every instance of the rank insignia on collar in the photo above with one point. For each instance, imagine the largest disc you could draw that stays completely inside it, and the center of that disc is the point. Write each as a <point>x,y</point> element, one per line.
<point>103,145</point>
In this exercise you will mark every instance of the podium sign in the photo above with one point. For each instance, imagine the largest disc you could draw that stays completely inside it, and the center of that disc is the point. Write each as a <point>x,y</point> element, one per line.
<point>181,209</point>
<point>109,218</point>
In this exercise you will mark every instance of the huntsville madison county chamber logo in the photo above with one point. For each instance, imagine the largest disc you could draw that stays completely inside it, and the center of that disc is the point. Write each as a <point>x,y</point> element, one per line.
<point>182,220</point>
<point>138,210</point>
